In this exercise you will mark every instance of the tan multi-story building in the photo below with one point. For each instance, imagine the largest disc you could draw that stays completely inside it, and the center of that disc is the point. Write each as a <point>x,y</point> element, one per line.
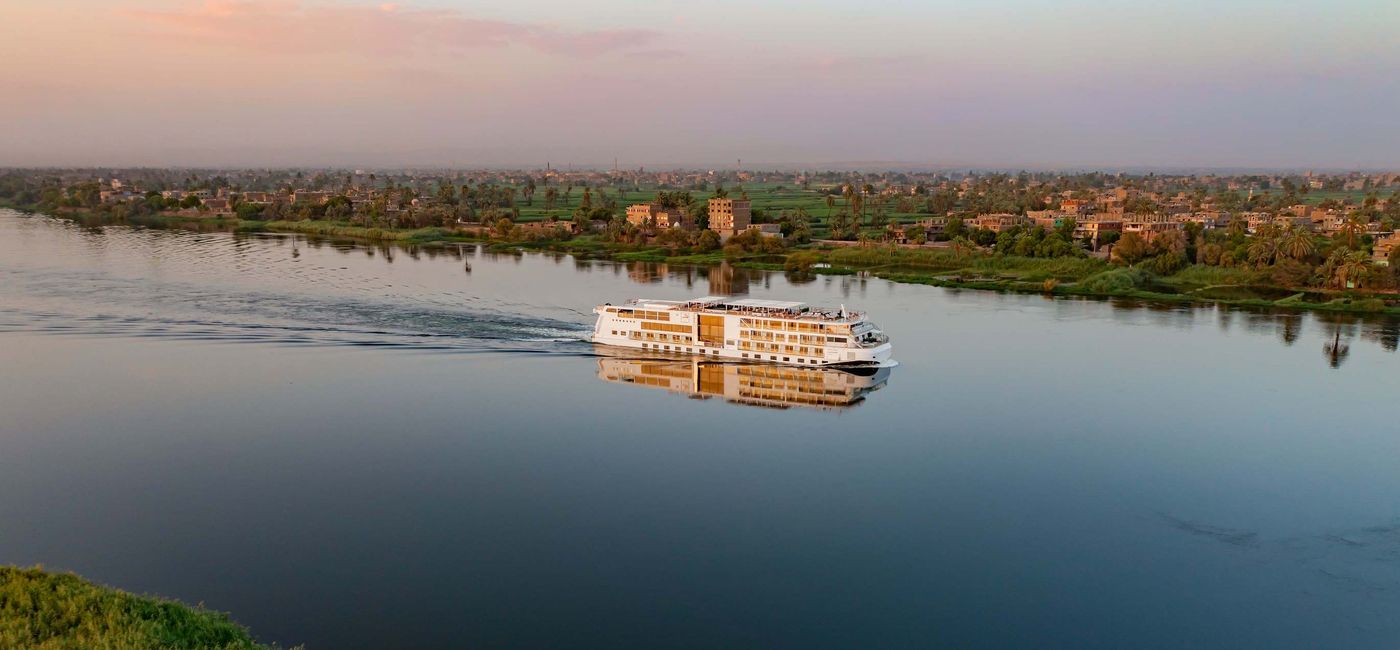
<point>934,226</point>
<point>1076,206</point>
<point>997,222</point>
<point>1091,228</point>
<point>729,217</point>
<point>1380,253</point>
<point>1149,226</point>
<point>658,216</point>
<point>307,196</point>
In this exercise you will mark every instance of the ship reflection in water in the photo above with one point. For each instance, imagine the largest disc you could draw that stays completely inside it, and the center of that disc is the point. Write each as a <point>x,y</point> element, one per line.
<point>767,385</point>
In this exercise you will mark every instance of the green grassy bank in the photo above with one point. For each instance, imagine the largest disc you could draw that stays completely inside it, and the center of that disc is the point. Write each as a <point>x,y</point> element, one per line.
<point>52,611</point>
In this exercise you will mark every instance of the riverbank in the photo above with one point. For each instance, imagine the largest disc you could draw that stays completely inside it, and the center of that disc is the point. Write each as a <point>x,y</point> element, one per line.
<point>1085,277</point>
<point>44,610</point>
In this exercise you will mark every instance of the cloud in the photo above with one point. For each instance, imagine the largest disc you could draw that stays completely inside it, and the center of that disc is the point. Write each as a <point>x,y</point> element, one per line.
<point>388,29</point>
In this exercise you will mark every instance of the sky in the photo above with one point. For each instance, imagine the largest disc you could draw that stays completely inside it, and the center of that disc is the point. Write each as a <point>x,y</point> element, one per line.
<point>662,83</point>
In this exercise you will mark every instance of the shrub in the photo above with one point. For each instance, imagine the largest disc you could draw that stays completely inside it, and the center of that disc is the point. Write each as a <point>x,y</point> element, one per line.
<point>1116,281</point>
<point>45,610</point>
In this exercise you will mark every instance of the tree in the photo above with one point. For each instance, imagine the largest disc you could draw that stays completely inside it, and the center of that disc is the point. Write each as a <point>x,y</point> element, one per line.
<point>1296,243</point>
<point>1265,246</point>
<point>954,228</point>
<point>1355,270</point>
<point>1131,248</point>
<point>1353,227</point>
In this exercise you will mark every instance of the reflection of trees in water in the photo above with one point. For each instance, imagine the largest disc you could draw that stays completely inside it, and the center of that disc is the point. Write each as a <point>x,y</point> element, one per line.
<point>1335,350</point>
<point>1338,331</point>
<point>1290,328</point>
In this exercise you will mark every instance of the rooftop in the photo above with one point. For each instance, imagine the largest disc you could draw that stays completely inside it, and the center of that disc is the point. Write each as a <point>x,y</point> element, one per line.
<point>781,308</point>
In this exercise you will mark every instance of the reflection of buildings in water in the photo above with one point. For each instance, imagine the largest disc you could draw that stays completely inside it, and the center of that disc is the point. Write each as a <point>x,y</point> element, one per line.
<point>773,386</point>
<point>646,272</point>
<point>726,280</point>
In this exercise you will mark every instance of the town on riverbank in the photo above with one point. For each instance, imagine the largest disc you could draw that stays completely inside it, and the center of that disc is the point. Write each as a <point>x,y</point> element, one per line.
<point>1298,240</point>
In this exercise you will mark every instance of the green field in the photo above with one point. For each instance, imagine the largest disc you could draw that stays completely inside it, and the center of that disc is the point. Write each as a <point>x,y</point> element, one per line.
<point>771,198</point>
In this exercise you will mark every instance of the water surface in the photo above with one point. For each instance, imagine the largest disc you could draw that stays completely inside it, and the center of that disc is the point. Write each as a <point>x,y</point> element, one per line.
<point>350,446</point>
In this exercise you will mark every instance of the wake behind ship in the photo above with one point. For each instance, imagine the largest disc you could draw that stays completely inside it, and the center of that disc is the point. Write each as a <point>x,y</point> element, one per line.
<point>746,330</point>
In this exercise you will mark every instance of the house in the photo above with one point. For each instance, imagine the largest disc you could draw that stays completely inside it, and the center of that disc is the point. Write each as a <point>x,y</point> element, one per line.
<point>1207,219</point>
<point>548,226</point>
<point>1076,206</point>
<point>1049,219</point>
<point>766,229</point>
<point>1092,228</point>
<point>997,222</point>
<point>1380,253</point>
<point>215,205</point>
<point>934,226</point>
<point>658,216</point>
<point>729,216</point>
<point>308,196</point>
<point>1149,226</point>
<point>259,198</point>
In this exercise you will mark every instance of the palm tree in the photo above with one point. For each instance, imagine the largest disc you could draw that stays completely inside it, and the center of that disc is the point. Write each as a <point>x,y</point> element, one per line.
<point>1335,350</point>
<point>1265,246</point>
<point>830,203</point>
<point>1296,243</point>
<point>1355,269</point>
<point>961,247</point>
<point>1328,272</point>
<point>1353,226</point>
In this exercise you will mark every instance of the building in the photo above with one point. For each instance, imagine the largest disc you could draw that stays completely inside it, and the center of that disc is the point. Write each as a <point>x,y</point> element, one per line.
<point>766,229</point>
<point>1076,206</point>
<point>258,198</point>
<point>1380,253</point>
<point>729,217</point>
<point>1092,228</point>
<point>934,226</point>
<point>308,196</point>
<point>658,216</point>
<point>1048,219</point>
<point>997,222</point>
<point>1149,226</point>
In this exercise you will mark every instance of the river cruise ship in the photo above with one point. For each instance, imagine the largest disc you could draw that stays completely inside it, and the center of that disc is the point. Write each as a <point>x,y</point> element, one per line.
<point>745,329</point>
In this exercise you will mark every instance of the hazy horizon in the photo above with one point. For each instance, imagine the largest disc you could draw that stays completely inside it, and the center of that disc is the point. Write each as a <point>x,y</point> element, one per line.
<point>461,83</point>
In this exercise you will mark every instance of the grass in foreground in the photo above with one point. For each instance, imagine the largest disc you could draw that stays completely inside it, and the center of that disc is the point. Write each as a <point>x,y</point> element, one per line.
<point>50,611</point>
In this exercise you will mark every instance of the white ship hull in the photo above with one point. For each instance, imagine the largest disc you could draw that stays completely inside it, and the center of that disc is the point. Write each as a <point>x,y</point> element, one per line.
<point>743,330</point>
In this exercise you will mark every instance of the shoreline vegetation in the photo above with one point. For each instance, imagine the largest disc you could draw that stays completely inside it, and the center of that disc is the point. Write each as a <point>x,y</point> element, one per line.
<point>952,266</point>
<point>1269,261</point>
<point>44,610</point>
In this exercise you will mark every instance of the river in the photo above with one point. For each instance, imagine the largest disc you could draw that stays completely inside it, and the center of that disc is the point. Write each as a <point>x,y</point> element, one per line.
<point>350,446</point>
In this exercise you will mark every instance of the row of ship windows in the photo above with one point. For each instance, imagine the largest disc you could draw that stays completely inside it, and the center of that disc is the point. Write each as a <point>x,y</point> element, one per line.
<point>793,326</point>
<point>679,348</point>
<point>648,336</point>
<point>758,335</point>
<point>770,347</point>
<point>643,314</point>
<point>712,352</point>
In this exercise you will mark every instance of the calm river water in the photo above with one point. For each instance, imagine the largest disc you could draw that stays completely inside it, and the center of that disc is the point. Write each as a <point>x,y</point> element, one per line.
<point>360,447</point>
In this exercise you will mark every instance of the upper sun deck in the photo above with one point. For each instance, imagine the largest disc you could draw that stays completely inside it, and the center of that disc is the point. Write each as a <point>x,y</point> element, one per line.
<point>751,306</point>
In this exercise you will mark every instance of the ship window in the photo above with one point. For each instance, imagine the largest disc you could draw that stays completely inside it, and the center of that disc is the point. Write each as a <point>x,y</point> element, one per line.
<point>786,359</point>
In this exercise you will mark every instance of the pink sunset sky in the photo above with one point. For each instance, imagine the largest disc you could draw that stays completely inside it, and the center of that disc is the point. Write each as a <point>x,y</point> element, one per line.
<point>1005,83</point>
